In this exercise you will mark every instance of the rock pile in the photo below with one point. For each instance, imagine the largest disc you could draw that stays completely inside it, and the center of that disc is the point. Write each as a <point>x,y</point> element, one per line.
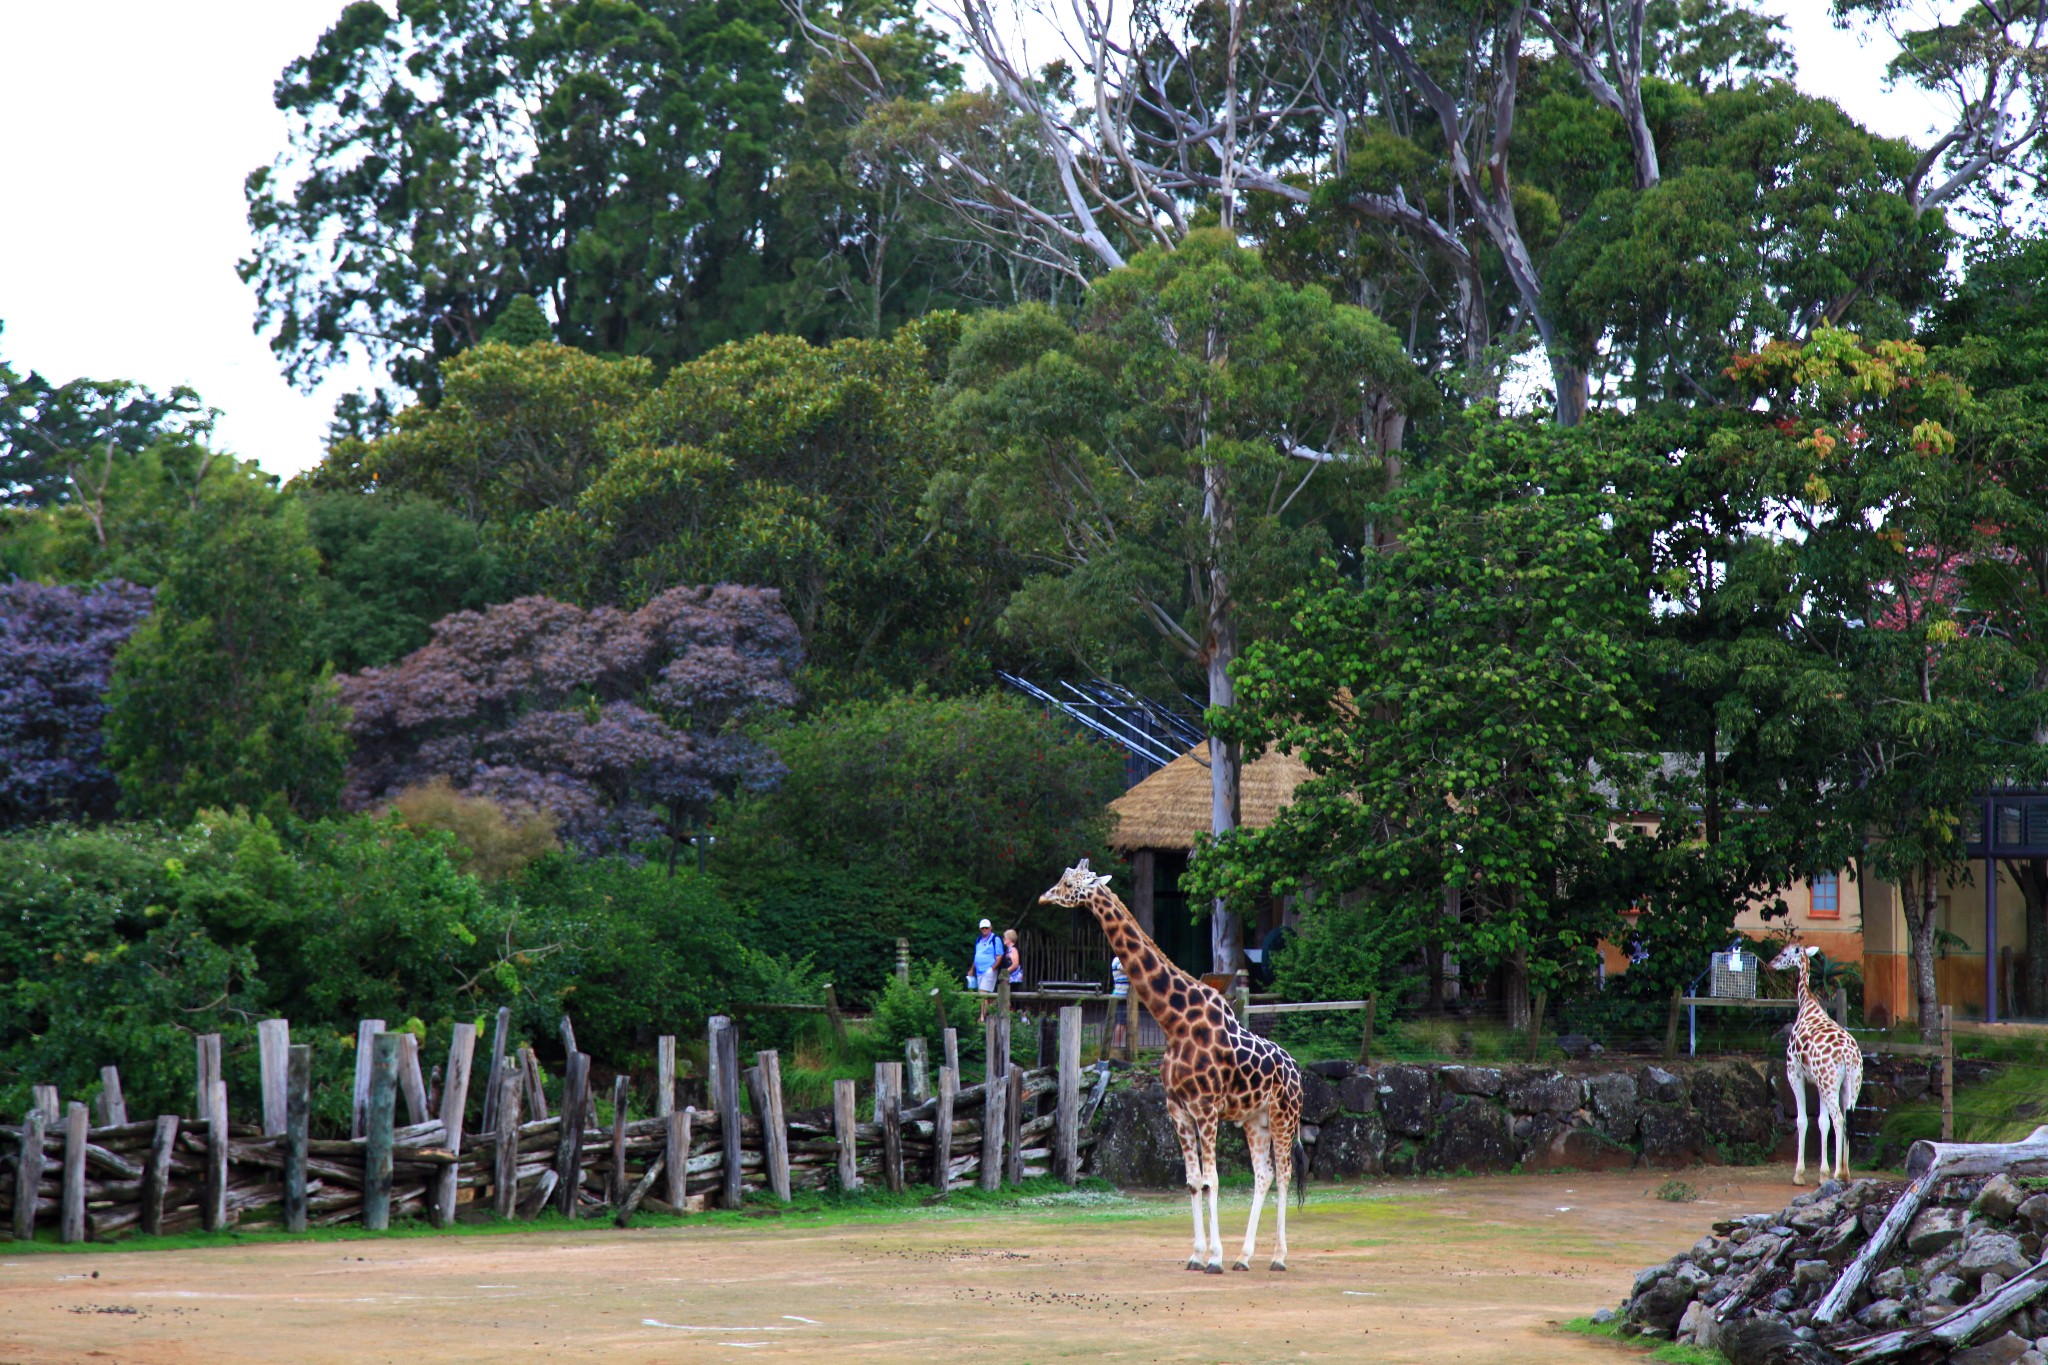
<point>1751,1287</point>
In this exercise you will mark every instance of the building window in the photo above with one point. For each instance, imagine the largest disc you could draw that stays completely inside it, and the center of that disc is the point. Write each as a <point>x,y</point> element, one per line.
<point>1827,896</point>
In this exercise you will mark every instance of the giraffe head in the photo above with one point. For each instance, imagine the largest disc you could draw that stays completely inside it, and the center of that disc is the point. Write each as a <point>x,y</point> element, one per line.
<point>1793,956</point>
<point>1075,886</point>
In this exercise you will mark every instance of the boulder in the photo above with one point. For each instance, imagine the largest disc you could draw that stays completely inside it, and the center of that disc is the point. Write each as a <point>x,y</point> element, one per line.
<point>1543,1092</point>
<point>1991,1253</point>
<point>1889,1284</point>
<point>1733,1100</point>
<point>1812,1272</point>
<point>1405,1100</point>
<point>1335,1069</point>
<point>1770,1341</point>
<point>1319,1097</point>
<point>1137,1147</point>
<point>1577,1045</point>
<point>2003,1350</point>
<point>2035,1210</point>
<point>1932,1229</point>
<point>1672,1135</point>
<point>1947,1289</point>
<point>1662,1304</point>
<point>1999,1200</point>
<point>1883,1315</point>
<point>1615,1109</point>
<point>1656,1084</point>
<point>1359,1093</point>
<point>1350,1146</point>
<point>1470,1080</point>
<point>1473,1136</point>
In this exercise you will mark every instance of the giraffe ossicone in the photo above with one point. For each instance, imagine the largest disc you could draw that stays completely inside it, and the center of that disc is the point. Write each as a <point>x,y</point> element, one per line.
<point>1215,1070</point>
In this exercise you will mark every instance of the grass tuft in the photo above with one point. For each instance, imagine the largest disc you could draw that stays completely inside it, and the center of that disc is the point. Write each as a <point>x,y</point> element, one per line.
<point>1669,1352</point>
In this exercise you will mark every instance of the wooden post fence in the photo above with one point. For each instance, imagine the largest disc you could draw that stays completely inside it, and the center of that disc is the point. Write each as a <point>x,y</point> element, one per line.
<point>569,1146</point>
<point>843,1116</point>
<point>499,1038</point>
<point>995,1091</point>
<point>889,1112</point>
<point>942,1129</point>
<point>156,1176</point>
<point>71,1212</point>
<point>664,1075</point>
<point>214,1215</point>
<point>411,1084</point>
<point>774,1127</point>
<point>676,1153</point>
<point>505,1176</point>
<point>454,1103</point>
<point>725,1081</point>
<point>273,1045</point>
<point>1013,1126</point>
<point>297,1113</point>
<point>615,1184</point>
<point>1671,1023</point>
<point>208,1048</point>
<point>917,1072</point>
<point>113,1109</point>
<point>378,1120</point>
<point>1067,1110</point>
<point>28,1174</point>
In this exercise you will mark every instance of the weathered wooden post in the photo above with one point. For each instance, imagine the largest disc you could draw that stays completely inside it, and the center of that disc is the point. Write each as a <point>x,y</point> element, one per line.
<point>273,1044</point>
<point>411,1083</point>
<point>1365,1034</point>
<point>889,1110</point>
<point>1003,994</point>
<point>616,1187</point>
<point>664,1075</point>
<point>28,1174</point>
<point>832,1013</point>
<point>1671,1023</point>
<point>725,1083</point>
<point>1066,1123</point>
<point>569,1146</point>
<point>903,960</point>
<point>774,1127</point>
<point>214,1213</point>
<point>676,1153</point>
<point>949,1041</point>
<point>994,1092</point>
<point>1536,1022</point>
<point>939,1011</point>
<point>942,1130</point>
<point>113,1109</point>
<point>378,1120</point>
<point>207,1045</point>
<point>996,1038</point>
<point>297,1112</point>
<point>44,1097</point>
<point>536,1088</point>
<point>1013,1127</point>
<point>843,1131</point>
<point>156,1177</point>
<point>366,1043</point>
<point>917,1073</point>
<point>454,1104</point>
<point>567,1031</point>
<point>505,1175</point>
<point>499,1039</point>
<point>71,1212</point>
<point>1241,998</point>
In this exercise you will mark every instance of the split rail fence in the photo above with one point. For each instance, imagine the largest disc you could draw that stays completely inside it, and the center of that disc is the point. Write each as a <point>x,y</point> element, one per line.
<point>95,1176</point>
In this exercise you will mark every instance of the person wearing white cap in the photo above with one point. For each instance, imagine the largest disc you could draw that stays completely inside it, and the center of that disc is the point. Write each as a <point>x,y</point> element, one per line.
<point>988,950</point>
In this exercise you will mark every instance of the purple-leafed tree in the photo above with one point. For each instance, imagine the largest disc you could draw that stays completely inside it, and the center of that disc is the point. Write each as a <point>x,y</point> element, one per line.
<point>56,651</point>
<point>624,725</point>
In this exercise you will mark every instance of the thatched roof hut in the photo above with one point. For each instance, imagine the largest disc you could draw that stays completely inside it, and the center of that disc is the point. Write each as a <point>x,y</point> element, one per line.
<point>1169,808</point>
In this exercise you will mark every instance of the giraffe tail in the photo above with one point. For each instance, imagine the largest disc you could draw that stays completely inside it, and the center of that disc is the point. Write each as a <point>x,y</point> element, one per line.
<point>1300,1173</point>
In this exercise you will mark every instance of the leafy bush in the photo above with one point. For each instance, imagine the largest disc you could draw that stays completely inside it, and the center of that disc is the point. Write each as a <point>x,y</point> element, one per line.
<point>904,1010</point>
<point>492,841</point>
<point>846,921</point>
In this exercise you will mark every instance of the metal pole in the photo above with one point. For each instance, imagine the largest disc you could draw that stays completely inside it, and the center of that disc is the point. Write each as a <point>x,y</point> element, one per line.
<point>1990,912</point>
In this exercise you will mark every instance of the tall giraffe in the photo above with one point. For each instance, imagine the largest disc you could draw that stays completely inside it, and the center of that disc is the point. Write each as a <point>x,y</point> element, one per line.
<point>1214,1071</point>
<point>1822,1051</point>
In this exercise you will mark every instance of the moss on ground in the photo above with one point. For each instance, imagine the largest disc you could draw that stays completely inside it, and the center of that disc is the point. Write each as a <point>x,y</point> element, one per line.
<point>1670,1352</point>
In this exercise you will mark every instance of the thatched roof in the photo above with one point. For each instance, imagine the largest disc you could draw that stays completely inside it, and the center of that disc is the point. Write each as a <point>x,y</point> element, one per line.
<point>1169,808</point>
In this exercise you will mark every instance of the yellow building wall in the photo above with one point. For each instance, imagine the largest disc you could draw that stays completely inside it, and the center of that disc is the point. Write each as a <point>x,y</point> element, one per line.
<point>1958,969</point>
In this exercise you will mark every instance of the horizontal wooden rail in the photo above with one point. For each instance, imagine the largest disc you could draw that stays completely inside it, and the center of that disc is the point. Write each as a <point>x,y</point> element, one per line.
<point>1738,1004</point>
<point>1304,1006</point>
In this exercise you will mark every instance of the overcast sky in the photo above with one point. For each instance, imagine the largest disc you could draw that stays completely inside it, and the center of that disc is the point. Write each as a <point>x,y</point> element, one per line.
<point>130,126</point>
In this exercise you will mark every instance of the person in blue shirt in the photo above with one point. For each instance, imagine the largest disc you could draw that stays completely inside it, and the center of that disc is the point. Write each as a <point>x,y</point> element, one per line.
<point>1120,1002</point>
<point>988,950</point>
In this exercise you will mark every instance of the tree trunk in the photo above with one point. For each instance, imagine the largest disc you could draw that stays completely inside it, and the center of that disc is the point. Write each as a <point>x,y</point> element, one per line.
<point>2032,875</point>
<point>1919,900</point>
<point>1514,980</point>
<point>1226,934</point>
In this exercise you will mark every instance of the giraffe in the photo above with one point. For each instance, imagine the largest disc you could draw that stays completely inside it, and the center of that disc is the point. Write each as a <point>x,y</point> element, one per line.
<point>1215,1071</point>
<point>1822,1051</point>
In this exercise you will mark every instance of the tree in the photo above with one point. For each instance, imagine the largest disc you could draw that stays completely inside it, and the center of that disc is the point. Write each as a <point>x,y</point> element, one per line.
<point>623,726</point>
<point>1471,711</point>
<point>623,164</point>
<point>1860,441</point>
<point>392,565</point>
<point>217,700</point>
<point>1168,460</point>
<point>803,468</point>
<point>56,651</point>
<point>981,793</point>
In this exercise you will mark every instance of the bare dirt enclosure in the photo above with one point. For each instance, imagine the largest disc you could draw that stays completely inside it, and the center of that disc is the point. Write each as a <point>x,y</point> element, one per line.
<point>1476,1269</point>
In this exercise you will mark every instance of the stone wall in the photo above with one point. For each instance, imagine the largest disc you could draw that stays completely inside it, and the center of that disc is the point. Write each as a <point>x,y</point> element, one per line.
<point>1406,1118</point>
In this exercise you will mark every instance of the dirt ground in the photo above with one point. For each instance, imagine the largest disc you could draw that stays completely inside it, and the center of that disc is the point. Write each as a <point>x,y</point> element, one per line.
<point>1476,1269</point>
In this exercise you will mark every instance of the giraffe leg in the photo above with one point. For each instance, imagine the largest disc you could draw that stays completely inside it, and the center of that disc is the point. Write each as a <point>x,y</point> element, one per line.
<point>1209,1183</point>
<point>1796,1075</point>
<point>1852,1089</point>
<point>1283,1170</point>
<point>1191,1158</point>
<point>1823,1119</point>
<point>1258,1137</point>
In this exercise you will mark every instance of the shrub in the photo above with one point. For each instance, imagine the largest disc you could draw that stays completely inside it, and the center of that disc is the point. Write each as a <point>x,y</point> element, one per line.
<point>492,841</point>
<point>904,1010</point>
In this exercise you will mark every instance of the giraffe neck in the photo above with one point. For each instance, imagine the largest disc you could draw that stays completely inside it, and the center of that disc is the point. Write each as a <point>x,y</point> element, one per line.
<point>1811,1013</point>
<point>1153,975</point>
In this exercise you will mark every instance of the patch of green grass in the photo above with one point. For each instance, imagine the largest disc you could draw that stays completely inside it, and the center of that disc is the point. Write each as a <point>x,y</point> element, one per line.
<point>2003,1107</point>
<point>1676,1191</point>
<point>1670,1352</point>
<point>810,1209</point>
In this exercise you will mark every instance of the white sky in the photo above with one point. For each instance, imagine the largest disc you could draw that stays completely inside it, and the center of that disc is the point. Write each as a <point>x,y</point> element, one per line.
<point>130,124</point>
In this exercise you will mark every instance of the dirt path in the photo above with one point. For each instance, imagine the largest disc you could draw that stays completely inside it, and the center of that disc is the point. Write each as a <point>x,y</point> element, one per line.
<point>1474,1270</point>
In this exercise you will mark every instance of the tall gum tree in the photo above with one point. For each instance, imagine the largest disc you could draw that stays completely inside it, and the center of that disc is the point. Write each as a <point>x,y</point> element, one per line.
<point>1174,459</point>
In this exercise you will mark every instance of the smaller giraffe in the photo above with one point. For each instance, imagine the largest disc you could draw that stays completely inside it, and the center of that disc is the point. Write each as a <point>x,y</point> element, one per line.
<point>1822,1051</point>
